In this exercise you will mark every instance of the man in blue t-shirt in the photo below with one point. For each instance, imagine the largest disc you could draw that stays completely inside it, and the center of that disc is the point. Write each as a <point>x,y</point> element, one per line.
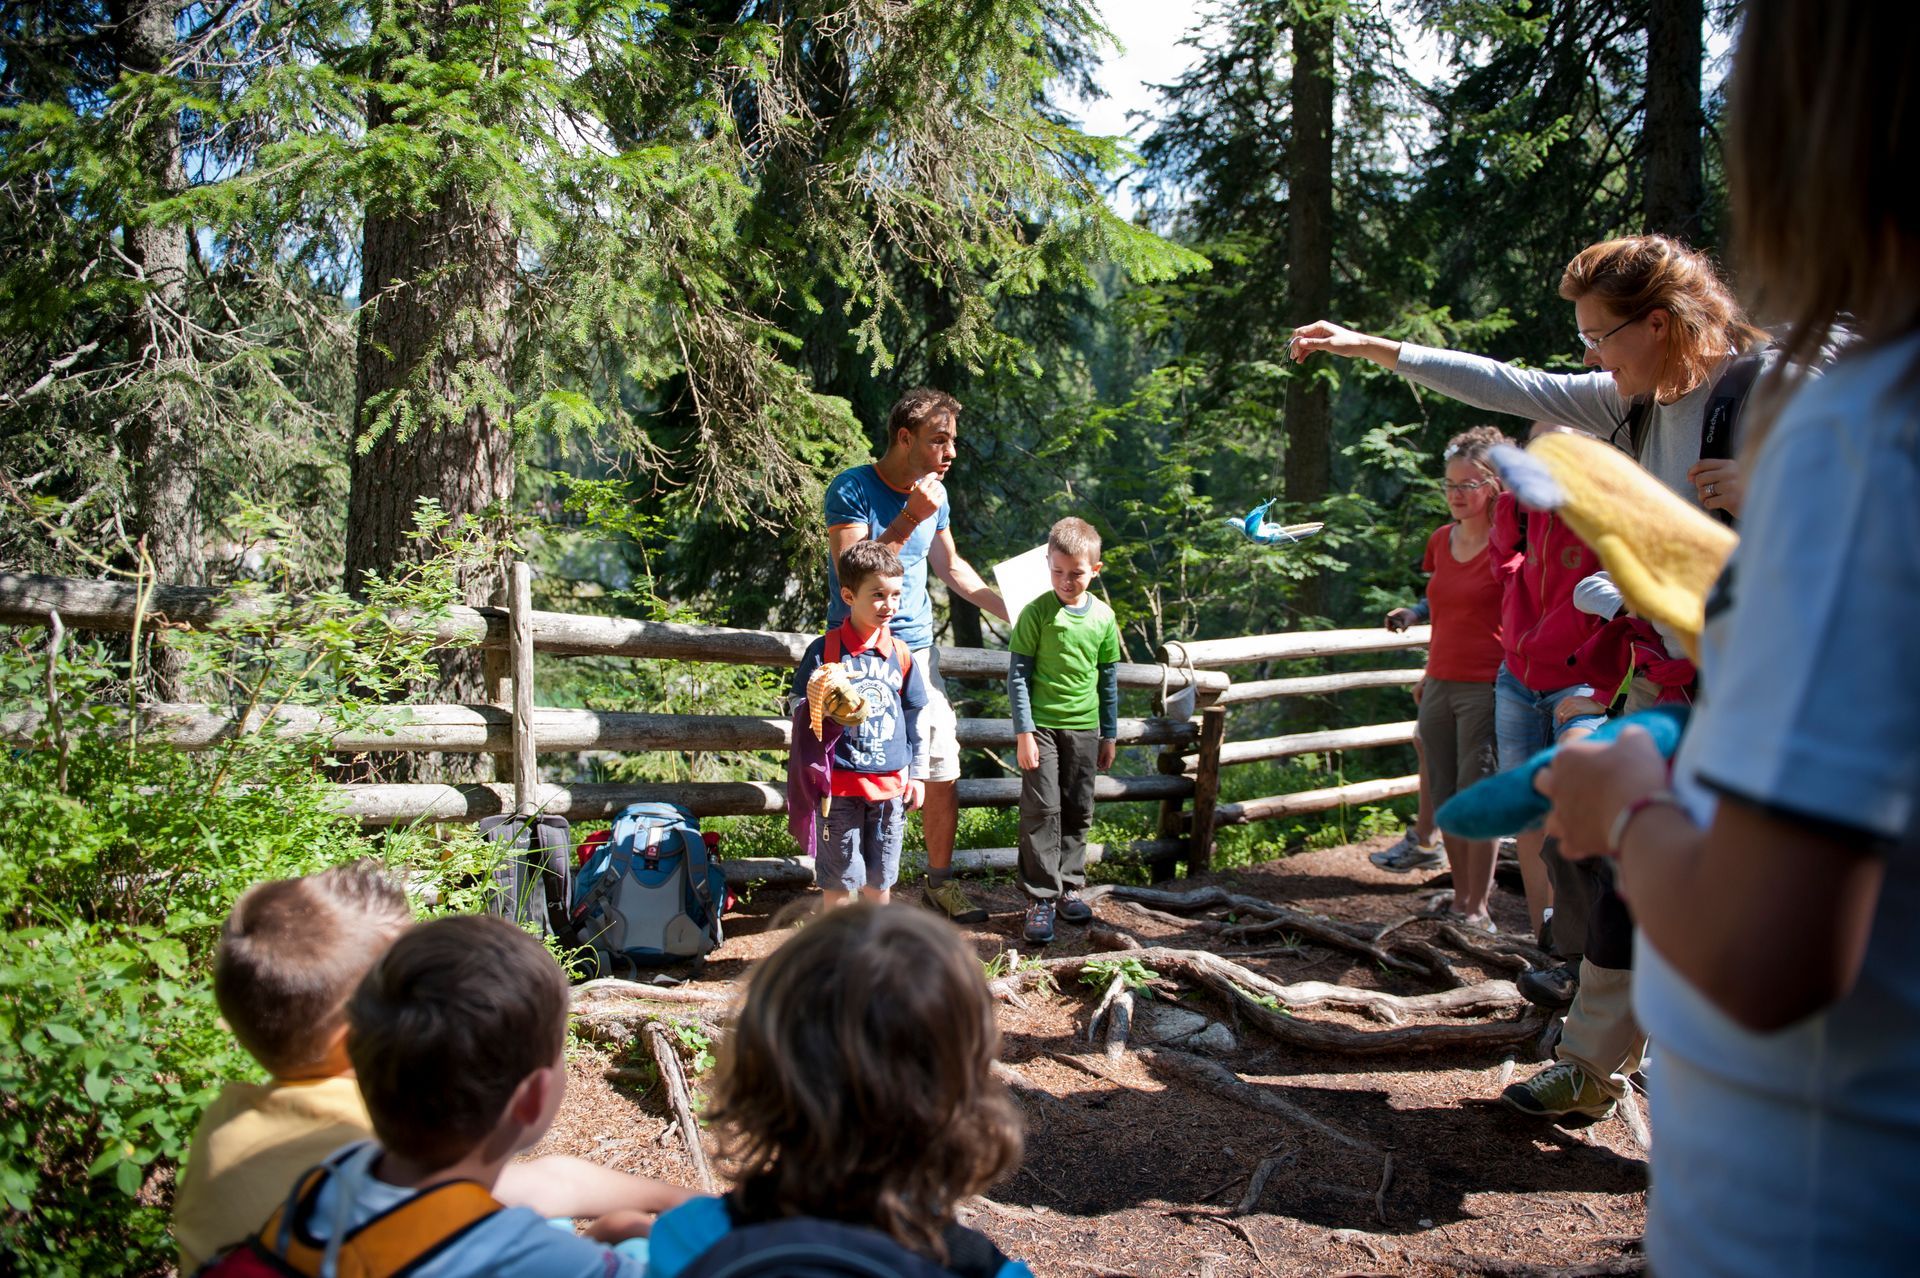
<point>900,502</point>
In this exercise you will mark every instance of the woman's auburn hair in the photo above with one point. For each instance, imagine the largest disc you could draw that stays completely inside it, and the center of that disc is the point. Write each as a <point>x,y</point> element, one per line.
<point>1641,273</point>
<point>857,1084</point>
<point>1823,142</point>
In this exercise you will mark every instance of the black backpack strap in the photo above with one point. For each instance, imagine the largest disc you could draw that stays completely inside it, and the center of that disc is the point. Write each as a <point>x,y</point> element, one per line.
<point>1639,413</point>
<point>1720,423</point>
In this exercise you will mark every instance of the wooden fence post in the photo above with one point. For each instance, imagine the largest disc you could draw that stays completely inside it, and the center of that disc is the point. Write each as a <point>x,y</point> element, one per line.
<point>1206,789</point>
<point>1171,763</point>
<point>526,762</point>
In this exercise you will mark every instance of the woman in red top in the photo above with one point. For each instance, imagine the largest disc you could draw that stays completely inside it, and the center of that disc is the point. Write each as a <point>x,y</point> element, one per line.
<point>1456,697</point>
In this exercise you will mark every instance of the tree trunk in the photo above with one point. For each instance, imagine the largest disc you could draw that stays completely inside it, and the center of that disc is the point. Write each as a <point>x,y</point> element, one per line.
<point>1675,187</point>
<point>431,403</point>
<point>157,436</point>
<point>1309,461</point>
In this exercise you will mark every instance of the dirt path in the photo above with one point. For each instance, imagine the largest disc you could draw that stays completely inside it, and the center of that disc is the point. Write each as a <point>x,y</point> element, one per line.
<point>1130,1171</point>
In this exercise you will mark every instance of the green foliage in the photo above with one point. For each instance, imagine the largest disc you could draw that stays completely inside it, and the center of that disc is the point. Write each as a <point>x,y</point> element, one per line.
<point>119,859</point>
<point>1102,972</point>
<point>696,1042</point>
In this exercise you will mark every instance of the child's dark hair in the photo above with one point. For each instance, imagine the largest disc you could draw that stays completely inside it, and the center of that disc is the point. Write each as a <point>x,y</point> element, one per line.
<point>1476,445</point>
<point>857,1084</point>
<point>864,559</point>
<point>447,1026</point>
<point>291,953</point>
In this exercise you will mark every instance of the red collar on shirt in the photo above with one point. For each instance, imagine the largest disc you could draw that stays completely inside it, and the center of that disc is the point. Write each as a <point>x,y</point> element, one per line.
<point>850,641</point>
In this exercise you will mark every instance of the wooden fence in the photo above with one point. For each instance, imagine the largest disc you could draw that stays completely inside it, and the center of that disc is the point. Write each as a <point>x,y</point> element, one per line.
<point>1193,750</point>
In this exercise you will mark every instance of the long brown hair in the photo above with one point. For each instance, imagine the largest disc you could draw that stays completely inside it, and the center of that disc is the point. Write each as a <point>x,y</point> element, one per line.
<point>857,1084</point>
<point>1823,145</point>
<point>1641,273</point>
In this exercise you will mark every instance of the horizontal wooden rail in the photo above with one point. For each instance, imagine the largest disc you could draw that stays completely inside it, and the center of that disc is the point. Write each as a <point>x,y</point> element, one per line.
<point>797,871</point>
<point>403,804</point>
<point>1364,738</point>
<point>1209,654</point>
<point>26,598</point>
<point>1305,801</point>
<point>485,729</point>
<point>1317,685</point>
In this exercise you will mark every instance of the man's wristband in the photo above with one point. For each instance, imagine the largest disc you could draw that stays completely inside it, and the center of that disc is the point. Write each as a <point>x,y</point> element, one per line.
<point>1653,798</point>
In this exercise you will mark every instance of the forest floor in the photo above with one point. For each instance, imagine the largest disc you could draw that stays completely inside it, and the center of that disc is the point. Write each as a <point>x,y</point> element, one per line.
<point>1396,1163</point>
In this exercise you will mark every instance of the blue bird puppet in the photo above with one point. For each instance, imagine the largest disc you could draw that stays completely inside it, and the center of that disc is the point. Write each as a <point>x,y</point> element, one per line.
<point>1257,527</point>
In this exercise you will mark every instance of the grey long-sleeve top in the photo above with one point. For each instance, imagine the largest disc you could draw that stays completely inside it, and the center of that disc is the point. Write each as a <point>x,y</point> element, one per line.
<point>1590,401</point>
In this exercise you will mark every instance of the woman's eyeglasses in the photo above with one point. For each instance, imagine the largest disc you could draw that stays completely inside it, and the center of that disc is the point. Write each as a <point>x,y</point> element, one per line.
<point>1593,343</point>
<point>1475,486</point>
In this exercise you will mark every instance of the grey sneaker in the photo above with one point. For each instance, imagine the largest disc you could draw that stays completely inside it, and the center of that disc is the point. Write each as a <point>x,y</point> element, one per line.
<point>1072,909</point>
<point>1559,1089</point>
<point>950,900</point>
<point>1409,854</point>
<point>1039,925</point>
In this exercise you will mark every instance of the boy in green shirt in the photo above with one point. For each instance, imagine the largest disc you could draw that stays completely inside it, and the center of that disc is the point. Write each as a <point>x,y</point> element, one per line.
<point>1063,683</point>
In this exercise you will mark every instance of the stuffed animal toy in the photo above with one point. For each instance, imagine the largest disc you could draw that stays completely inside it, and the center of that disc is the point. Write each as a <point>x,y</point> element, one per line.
<point>1506,803</point>
<point>1257,527</point>
<point>1664,553</point>
<point>831,696</point>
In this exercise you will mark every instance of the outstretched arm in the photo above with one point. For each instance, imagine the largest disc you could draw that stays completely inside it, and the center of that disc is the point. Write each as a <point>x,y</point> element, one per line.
<point>961,578</point>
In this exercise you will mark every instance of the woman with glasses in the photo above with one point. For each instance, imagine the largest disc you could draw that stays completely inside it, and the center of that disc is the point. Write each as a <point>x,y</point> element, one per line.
<point>1656,323</point>
<point>1456,697</point>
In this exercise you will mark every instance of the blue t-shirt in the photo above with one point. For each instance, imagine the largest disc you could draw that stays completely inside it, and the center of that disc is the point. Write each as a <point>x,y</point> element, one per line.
<point>514,1242</point>
<point>860,496</point>
<point>1798,1152</point>
<point>683,1234</point>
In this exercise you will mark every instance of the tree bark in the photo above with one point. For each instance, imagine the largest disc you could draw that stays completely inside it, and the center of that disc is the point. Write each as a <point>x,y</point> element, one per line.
<point>1675,186</point>
<point>431,402</point>
<point>1309,460</point>
<point>157,436</point>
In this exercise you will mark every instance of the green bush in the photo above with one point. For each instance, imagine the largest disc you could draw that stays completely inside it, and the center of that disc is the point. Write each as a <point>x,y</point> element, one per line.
<point>118,864</point>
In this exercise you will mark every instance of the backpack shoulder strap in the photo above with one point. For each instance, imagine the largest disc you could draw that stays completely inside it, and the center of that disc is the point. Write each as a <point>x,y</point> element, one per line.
<point>399,1241</point>
<point>1638,415</point>
<point>830,652</point>
<point>1722,417</point>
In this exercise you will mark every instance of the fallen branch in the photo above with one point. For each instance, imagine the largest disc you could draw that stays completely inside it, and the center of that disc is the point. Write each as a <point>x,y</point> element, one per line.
<point>1506,952</point>
<point>667,1057</point>
<point>1274,918</point>
<point>1223,1082</point>
<point>1635,1119</point>
<point>1267,1004</point>
<point>614,987</point>
<point>1119,1024</point>
<point>1380,1194</point>
<point>1115,988</point>
<point>1257,1183</point>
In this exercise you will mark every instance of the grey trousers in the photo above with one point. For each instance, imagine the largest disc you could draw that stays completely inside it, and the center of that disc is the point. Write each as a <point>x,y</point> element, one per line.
<point>1056,811</point>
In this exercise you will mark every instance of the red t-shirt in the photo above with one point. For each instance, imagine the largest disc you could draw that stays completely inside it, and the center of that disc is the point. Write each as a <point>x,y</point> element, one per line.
<point>1465,599</point>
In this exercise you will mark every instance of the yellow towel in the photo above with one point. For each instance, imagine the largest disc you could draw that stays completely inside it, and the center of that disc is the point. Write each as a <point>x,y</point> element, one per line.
<point>1664,553</point>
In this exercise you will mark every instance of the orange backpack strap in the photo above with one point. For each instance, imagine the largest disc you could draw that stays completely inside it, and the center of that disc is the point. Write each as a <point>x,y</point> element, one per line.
<point>392,1244</point>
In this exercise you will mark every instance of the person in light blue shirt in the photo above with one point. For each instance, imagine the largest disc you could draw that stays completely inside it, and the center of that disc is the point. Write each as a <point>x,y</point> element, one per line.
<point>1776,876</point>
<point>900,501</point>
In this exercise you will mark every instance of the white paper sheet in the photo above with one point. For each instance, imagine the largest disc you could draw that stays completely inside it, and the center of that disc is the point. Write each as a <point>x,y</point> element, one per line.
<point>1023,579</point>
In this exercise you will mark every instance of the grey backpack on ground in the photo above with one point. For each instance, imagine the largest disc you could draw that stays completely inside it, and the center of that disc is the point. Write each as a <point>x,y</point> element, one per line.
<point>651,895</point>
<point>533,879</point>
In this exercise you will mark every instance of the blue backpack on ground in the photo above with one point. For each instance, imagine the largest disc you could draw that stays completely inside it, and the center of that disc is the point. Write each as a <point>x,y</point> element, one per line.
<point>651,895</point>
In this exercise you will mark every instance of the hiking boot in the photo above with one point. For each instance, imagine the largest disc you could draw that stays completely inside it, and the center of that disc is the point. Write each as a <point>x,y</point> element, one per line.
<point>1072,909</point>
<point>1409,854</point>
<point>1552,989</point>
<point>1039,925</point>
<point>1559,1089</point>
<point>948,899</point>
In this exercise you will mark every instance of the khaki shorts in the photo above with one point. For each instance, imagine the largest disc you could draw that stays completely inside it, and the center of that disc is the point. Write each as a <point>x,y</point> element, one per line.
<point>937,722</point>
<point>1456,735</point>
